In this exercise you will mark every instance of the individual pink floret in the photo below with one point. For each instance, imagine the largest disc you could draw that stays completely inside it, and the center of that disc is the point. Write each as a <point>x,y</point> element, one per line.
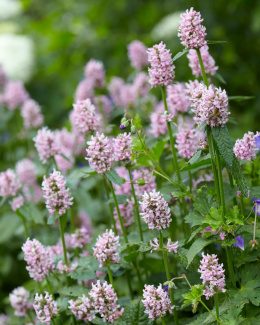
<point>99,153</point>
<point>161,72</point>
<point>246,148</point>
<point>192,34</point>
<point>45,307</point>
<point>156,301</point>
<point>106,248</point>
<point>155,211</point>
<point>212,275</point>
<point>57,196</point>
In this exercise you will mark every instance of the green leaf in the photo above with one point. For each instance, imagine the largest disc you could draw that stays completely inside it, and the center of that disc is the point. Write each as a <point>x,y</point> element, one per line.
<point>255,192</point>
<point>195,157</point>
<point>196,247</point>
<point>203,203</point>
<point>51,219</point>
<point>224,143</point>
<point>144,247</point>
<point>240,98</point>
<point>238,176</point>
<point>234,216</point>
<point>220,78</point>
<point>195,218</point>
<point>8,223</point>
<point>157,150</point>
<point>113,176</point>
<point>32,213</point>
<point>178,55</point>
<point>75,290</point>
<point>82,274</point>
<point>201,163</point>
<point>214,218</point>
<point>250,286</point>
<point>216,42</point>
<point>193,297</point>
<point>134,314</point>
<point>121,199</point>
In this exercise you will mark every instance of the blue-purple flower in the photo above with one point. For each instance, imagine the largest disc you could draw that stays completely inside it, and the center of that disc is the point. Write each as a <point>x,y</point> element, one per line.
<point>257,141</point>
<point>257,206</point>
<point>240,243</point>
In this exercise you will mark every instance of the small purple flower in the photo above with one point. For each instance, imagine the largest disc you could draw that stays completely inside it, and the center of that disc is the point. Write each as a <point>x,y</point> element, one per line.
<point>257,141</point>
<point>257,206</point>
<point>122,127</point>
<point>240,243</point>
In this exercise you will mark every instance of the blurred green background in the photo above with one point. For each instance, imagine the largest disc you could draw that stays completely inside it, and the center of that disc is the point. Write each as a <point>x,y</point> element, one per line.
<point>67,33</point>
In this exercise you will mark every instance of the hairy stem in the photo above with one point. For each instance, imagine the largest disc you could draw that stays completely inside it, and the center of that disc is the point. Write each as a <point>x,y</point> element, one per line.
<point>110,207</point>
<point>211,312</point>
<point>110,276</point>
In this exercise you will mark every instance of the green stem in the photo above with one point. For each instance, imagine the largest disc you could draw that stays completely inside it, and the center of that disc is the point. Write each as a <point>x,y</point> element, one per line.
<point>136,206</point>
<point>49,287</point>
<point>255,222</point>
<point>168,276</point>
<point>242,205</point>
<point>163,321</point>
<point>72,224</point>
<point>22,217</point>
<point>231,182</point>
<point>74,320</point>
<point>212,154</point>
<point>55,164</point>
<point>211,312</point>
<point>63,243</point>
<point>190,180</point>
<point>230,267</point>
<point>216,304</point>
<point>110,276</point>
<point>221,187</point>
<point>204,76</point>
<point>118,212</point>
<point>110,207</point>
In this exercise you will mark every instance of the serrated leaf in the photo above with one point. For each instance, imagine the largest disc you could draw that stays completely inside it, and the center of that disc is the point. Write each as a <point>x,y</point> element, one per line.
<point>113,176</point>
<point>224,143</point>
<point>234,216</point>
<point>195,157</point>
<point>214,218</point>
<point>240,98</point>
<point>203,203</point>
<point>194,218</point>
<point>178,55</point>
<point>196,247</point>
<point>238,176</point>
<point>157,150</point>
<point>134,314</point>
<point>193,297</point>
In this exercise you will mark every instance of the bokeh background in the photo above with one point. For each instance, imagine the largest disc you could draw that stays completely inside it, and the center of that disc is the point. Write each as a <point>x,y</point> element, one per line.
<point>46,44</point>
<point>56,38</point>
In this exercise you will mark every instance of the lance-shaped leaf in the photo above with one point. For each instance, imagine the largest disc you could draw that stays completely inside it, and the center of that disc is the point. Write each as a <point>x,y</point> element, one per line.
<point>238,176</point>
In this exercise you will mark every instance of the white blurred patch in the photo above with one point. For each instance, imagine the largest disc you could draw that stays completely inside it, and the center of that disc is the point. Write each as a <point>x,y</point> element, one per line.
<point>167,27</point>
<point>10,9</point>
<point>17,56</point>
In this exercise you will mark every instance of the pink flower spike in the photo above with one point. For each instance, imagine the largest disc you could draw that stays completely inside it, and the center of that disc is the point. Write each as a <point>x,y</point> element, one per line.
<point>19,301</point>
<point>106,248</point>
<point>31,114</point>
<point>246,148</point>
<point>45,307</point>
<point>17,202</point>
<point>99,153</point>
<point>85,89</point>
<point>83,308</point>
<point>26,171</point>
<point>161,72</point>
<point>155,211</point>
<point>94,70</point>
<point>212,275</point>
<point>122,147</point>
<point>156,301</point>
<point>57,196</point>
<point>9,183</point>
<point>137,54</point>
<point>191,32</point>
<point>177,98</point>
<point>15,94</point>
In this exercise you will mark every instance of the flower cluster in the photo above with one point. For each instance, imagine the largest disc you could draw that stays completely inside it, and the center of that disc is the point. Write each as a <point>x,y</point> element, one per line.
<point>80,238</point>
<point>177,99</point>
<point>106,248</point>
<point>26,171</point>
<point>210,105</point>
<point>31,114</point>
<point>191,32</point>
<point>245,148</point>
<point>17,202</point>
<point>45,144</point>
<point>115,88</point>
<point>99,153</point>
<point>155,210</point>
<point>82,308</point>
<point>137,54</point>
<point>103,104</point>
<point>122,147</point>
<point>141,84</point>
<point>38,259</point>
<point>161,72</point>
<point>85,118</point>
<point>19,301</point>
<point>84,90</point>
<point>15,94</point>
<point>212,275</point>
<point>63,268</point>
<point>156,301</point>
<point>9,183</point>
<point>45,307</point>
<point>105,301</point>
<point>94,71</point>
<point>57,196</point>
<point>207,59</point>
